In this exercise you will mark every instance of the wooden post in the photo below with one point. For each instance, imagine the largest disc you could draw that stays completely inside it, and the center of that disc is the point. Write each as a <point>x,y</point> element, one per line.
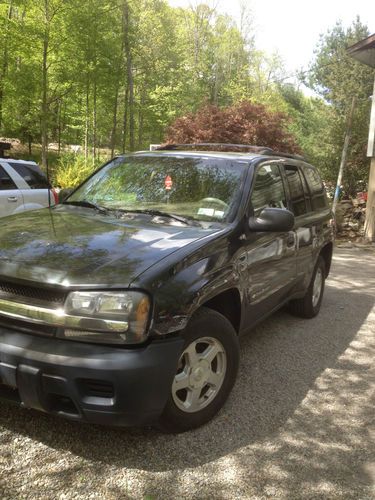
<point>370,207</point>
<point>343,155</point>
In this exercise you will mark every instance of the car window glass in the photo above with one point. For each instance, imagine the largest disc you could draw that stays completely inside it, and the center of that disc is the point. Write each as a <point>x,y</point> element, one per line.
<point>268,189</point>
<point>5,181</point>
<point>30,173</point>
<point>315,183</point>
<point>204,189</point>
<point>297,194</point>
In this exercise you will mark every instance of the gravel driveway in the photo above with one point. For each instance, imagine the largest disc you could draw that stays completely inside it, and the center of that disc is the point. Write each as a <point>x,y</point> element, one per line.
<point>299,424</point>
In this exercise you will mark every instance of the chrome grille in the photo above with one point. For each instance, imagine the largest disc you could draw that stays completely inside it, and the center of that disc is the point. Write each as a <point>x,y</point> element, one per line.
<point>56,297</point>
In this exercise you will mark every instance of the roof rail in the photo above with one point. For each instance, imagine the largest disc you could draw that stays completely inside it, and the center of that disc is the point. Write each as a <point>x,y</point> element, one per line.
<point>288,155</point>
<point>216,145</point>
<point>262,150</point>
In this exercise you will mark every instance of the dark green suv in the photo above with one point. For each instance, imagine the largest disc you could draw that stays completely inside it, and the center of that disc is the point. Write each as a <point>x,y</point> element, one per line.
<point>123,305</point>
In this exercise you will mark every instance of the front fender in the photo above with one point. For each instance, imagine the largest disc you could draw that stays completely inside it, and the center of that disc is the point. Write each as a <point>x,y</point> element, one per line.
<point>176,299</point>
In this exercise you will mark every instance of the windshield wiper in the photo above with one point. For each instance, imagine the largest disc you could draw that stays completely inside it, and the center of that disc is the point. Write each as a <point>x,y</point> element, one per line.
<point>179,218</point>
<point>87,204</point>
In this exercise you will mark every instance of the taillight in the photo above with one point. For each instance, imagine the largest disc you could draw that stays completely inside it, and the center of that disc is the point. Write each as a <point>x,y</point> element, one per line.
<point>55,196</point>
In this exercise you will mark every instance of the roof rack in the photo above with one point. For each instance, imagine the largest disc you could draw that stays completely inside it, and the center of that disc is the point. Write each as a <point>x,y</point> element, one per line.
<point>250,148</point>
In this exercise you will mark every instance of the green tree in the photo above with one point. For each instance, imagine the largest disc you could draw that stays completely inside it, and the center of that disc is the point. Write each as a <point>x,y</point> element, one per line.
<point>337,78</point>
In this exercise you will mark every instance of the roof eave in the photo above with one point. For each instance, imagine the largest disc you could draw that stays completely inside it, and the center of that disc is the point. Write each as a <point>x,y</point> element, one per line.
<point>364,51</point>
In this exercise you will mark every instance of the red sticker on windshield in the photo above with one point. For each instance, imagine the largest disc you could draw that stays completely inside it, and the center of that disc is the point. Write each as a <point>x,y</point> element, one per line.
<point>168,182</point>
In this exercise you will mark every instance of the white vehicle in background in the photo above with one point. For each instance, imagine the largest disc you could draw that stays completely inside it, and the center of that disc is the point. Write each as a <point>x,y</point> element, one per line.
<point>23,186</point>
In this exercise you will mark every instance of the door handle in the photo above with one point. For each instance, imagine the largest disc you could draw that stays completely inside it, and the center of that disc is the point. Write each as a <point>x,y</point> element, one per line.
<point>12,199</point>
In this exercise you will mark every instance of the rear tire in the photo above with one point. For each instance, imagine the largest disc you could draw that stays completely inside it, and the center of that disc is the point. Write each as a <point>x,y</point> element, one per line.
<point>309,305</point>
<point>205,374</point>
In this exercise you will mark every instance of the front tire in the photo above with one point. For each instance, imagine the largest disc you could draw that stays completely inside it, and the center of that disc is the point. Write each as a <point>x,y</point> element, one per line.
<point>309,305</point>
<point>206,372</point>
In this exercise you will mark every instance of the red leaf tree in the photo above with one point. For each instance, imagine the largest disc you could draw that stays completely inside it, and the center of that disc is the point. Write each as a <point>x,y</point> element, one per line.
<point>243,123</point>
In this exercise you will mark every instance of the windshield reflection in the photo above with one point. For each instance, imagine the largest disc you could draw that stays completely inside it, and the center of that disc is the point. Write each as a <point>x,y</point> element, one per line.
<point>195,188</point>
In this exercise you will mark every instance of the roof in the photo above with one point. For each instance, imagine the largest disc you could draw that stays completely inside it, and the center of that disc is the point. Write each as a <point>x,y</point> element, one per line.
<point>239,157</point>
<point>364,51</point>
<point>28,162</point>
<point>206,154</point>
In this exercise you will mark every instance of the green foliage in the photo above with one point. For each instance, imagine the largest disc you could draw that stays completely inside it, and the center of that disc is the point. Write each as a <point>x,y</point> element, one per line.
<point>115,75</point>
<point>71,170</point>
<point>338,78</point>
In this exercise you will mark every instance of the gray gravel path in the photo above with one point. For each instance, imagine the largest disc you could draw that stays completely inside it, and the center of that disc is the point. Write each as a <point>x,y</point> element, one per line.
<point>299,424</point>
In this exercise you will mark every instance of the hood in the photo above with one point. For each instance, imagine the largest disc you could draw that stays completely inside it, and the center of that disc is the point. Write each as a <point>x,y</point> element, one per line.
<point>74,246</point>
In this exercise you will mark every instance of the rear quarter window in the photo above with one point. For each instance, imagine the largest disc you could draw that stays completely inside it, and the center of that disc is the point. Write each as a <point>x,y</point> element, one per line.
<point>31,175</point>
<point>5,181</point>
<point>318,194</point>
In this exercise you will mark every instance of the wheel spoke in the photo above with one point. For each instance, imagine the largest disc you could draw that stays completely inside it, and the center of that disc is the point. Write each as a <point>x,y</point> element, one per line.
<point>192,355</point>
<point>214,379</point>
<point>193,398</point>
<point>210,353</point>
<point>181,381</point>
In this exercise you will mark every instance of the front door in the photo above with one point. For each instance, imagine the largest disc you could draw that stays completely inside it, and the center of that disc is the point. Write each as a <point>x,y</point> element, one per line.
<point>270,257</point>
<point>11,200</point>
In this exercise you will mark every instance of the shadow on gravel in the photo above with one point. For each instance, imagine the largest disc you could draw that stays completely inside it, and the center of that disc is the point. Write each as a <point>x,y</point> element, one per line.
<point>281,360</point>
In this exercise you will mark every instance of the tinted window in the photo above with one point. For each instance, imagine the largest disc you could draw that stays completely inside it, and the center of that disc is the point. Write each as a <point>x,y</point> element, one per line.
<point>297,194</point>
<point>5,181</point>
<point>268,189</point>
<point>317,190</point>
<point>32,175</point>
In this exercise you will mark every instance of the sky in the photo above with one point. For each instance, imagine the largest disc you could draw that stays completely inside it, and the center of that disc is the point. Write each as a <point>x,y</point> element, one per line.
<point>292,27</point>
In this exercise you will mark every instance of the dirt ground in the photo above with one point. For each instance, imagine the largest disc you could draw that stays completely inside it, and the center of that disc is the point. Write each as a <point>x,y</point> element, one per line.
<point>299,424</point>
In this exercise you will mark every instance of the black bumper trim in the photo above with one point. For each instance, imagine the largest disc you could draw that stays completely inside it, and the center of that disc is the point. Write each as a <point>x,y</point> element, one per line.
<point>46,374</point>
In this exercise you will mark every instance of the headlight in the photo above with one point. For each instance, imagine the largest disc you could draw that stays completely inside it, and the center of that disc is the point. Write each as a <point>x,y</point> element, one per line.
<point>106,317</point>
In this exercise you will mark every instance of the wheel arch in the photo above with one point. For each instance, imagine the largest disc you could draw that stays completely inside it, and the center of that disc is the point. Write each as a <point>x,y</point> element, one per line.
<point>227,303</point>
<point>326,254</point>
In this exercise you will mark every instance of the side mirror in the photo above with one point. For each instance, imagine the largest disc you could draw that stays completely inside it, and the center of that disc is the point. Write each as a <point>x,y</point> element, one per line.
<point>272,220</point>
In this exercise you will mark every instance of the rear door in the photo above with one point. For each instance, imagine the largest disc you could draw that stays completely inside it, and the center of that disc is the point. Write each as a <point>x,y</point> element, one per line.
<point>306,229</point>
<point>11,200</point>
<point>35,188</point>
<point>271,257</point>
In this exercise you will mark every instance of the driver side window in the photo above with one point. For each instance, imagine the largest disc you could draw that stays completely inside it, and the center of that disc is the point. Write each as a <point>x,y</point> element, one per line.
<point>268,189</point>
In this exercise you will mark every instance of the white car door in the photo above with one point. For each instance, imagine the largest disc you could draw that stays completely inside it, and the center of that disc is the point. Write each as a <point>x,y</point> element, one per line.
<point>11,199</point>
<point>34,186</point>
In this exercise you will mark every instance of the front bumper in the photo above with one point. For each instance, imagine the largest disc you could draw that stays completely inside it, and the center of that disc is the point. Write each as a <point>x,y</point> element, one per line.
<point>91,383</point>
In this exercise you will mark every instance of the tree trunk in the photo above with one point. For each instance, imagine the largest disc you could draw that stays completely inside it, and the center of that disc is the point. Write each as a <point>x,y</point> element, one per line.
<point>44,118</point>
<point>140,120</point>
<point>114,124</point>
<point>129,73</point>
<point>87,120</point>
<point>59,106</point>
<point>5,60</point>
<point>125,121</point>
<point>370,207</point>
<point>131,103</point>
<point>94,121</point>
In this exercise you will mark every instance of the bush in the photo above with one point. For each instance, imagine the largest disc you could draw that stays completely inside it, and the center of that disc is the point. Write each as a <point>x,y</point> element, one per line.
<point>72,169</point>
<point>243,123</point>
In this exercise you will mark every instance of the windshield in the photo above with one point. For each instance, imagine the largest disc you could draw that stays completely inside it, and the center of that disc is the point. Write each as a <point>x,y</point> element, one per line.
<point>196,188</point>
